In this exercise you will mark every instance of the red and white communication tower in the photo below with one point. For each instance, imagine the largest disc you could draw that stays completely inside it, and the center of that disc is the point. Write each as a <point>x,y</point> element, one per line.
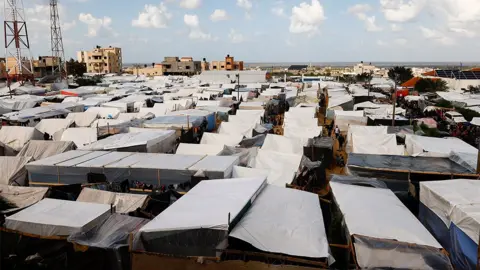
<point>17,46</point>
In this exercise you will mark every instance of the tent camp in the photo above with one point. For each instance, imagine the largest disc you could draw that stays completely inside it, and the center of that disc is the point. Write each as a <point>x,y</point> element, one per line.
<point>13,170</point>
<point>391,236</point>
<point>184,230</point>
<point>146,142</point>
<point>231,128</point>
<point>123,202</point>
<point>79,136</point>
<point>449,209</point>
<point>14,138</point>
<point>42,149</point>
<point>57,218</point>
<point>376,144</point>
<point>283,144</point>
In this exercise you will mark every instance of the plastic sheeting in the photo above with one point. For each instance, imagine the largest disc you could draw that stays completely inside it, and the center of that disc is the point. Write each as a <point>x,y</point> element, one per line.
<point>199,149</point>
<point>243,172</point>
<point>79,136</point>
<point>148,142</point>
<point>174,122</point>
<point>436,147</point>
<point>344,121</point>
<point>216,167</point>
<point>290,131</point>
<point>13,170</point>
<point>51,126</point>
<point>274,223</point>
<point>246,155</point>
<point>43,149</point>
<point>84,119</point>
<point>58,217</point>
<point>123,202</point>
<point>229,128</point>
<point>475,121</point>
<point>354,180</point>
<point>363,130</point>
<point>228,198</point>
<point>277,161</point>
<point>103,112</point>
<point>466,160</point>
<point>221,139</point>
<point>283,144</point>
<point>105,123</point>
<point>376,144</point>
<point>21,197</point>
<point>16,137</point>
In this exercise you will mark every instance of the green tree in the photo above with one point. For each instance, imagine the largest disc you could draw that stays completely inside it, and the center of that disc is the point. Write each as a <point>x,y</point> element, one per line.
<point>428,85</point>
<point>75,68</point>
<point>90,81</point>
<point>473,89</point>
<point>400,74</point>
<point>364,77</point>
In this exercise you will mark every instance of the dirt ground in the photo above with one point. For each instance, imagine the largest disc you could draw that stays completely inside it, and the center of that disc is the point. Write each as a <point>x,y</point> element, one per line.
<point>336,152</point>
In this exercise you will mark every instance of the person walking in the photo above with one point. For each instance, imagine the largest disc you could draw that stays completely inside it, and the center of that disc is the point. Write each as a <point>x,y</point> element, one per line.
<point>337,132</point>
<point>341,140</point>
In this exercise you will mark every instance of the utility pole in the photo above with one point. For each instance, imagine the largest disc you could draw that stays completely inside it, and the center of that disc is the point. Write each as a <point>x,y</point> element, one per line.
<point>238,86</point>
<point>394,101</point>
<point>17,45</point>
<point>56,41</point>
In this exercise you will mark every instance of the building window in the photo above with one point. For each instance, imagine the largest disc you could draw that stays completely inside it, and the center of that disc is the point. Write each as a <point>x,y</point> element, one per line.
<point>106,64</point>
<point>89,58</point>
<point>214,67</point>
<point>222,66</point>
<point>187,67</point>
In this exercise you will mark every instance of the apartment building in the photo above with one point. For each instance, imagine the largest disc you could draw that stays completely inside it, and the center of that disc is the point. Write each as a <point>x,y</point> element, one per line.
<point>102,60</point>
<point>181,66</point>
<point>228,64</point>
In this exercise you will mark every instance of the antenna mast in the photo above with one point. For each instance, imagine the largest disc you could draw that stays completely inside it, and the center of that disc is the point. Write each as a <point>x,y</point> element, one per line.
<point>58,53</point>
<point>17,46</point>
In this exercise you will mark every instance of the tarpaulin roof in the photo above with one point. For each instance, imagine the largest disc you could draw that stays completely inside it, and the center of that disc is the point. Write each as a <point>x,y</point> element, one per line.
<point>436,147</point>
<point>51,126</point>
<point>13,170</point>
<point>174,122</point>
<point>454,201</point>
<point>405,164</point>
<point>124,140</point>
<point>274,224</point>
<point>43,149</point>
<point>284,144</point>
<point>123,202</point>
<point>79,136</point>
<point>84,119</point>
<point>16,137</point>
<point>199,149</point>
<point>104,112</point>
<point>21,197</point>
<point>58,217</point>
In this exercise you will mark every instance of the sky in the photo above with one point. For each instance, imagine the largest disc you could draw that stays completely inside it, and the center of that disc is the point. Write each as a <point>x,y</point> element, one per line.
<point>265,30</point>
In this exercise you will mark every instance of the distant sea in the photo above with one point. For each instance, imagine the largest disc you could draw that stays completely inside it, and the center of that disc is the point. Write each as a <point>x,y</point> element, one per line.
<point>444,65</point>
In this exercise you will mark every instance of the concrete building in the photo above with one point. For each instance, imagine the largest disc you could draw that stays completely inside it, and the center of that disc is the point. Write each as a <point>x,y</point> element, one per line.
<point>154,70</point>
<point>182,66</point>
<point>228,64</point>
<point>102,60</point>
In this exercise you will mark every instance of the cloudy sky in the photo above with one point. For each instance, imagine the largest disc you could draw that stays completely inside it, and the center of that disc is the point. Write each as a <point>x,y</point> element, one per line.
<point>266,30</point>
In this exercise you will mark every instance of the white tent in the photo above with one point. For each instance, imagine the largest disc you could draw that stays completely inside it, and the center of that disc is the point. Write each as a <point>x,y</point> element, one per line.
<point>15,137</point>
<point>436,147</point>
<point>274,224</point>
<point>42,149</point>
<point>104,112</point>
<point>274,177</point>
<point>13,170</point>
<point>123,202</point>
<point>376,144</point>
<point>475,121</point>
<point>221,139</point>
<point>51,126</point>
<point>229,128</point>
<point>79,136</point>
<point>21,197</point>
<point>84,119</point>
<point>199,149</point>
<point>58,218</point>
<point>374,214</point>
<point>283,144</point>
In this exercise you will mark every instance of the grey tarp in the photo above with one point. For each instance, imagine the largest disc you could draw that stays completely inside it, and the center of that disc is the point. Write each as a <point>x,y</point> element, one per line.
<point>43,149</point>
<point>123,202</point>
<point>12,170</point>
<point>355,180</point>
<point>21,197</point>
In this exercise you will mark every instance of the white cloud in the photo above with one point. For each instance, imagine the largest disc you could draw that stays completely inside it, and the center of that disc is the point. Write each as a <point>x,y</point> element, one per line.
<point>306,18</point>
<point>360,11</point>
<point>219,15</point>
<point>436,36</point>
<point>279,11</point>
<point>402,10</point>
<point>153,17</point>
<point>192,22</point>
<point>462,16</point>
<point>370,24</point>
<point>359,8</point>
<point>235,37</point>
<point>396,27</point>
<point>381,43</point>
<point>190,4</point>
<point>95,25</point>
<point>245,4</point>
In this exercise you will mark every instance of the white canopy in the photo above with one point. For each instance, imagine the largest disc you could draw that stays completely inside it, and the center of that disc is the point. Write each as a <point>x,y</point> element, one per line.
<point>43,149</point>
<point>284,144</point>
<point>376,144</point>
<point>51,126</point>
<point>79,136</point>
<point>436,147</point>
<point>123,202</point>
<point>104,112</point>
<point>16,137</point>
<point>227,197</point>
<point>84,119</point>
<point>199,149</point>
<point>274,223</point>
<point>221,139</point>
<point>58,217</point>
<point>454,201</point>
<point>229,128</point>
